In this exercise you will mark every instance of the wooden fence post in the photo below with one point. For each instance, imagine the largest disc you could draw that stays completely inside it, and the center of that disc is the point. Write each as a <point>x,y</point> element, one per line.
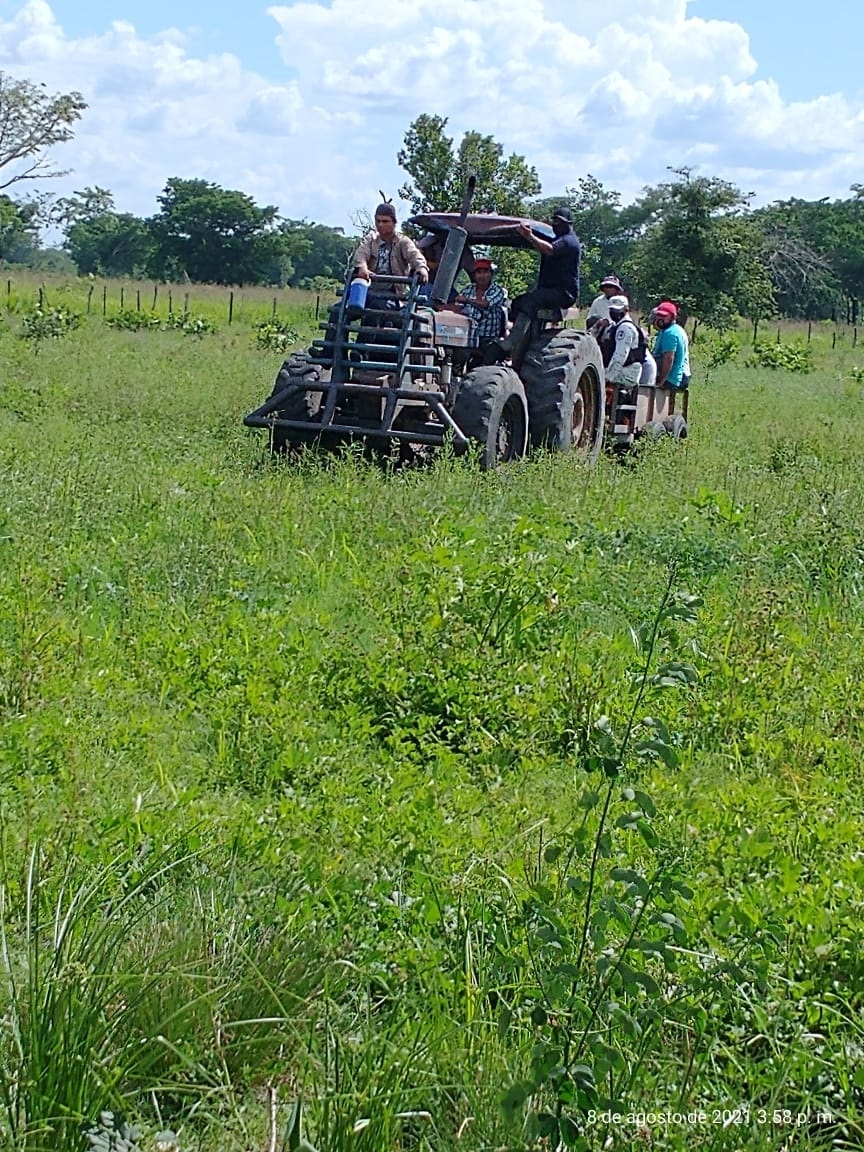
<point>104,299</point>
<point>89,297</point>
<point>855,336</point>
<point>138,300</point>
<point>122,296</point>
<point>170,303</point>
<point>230,306</point>
<point>155,292</point>
<point>185,303</point>
<point>274,307</point>
<point>809,330</point>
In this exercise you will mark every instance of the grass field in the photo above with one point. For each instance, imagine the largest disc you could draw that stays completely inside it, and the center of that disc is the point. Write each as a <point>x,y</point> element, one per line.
<point>464,809</point>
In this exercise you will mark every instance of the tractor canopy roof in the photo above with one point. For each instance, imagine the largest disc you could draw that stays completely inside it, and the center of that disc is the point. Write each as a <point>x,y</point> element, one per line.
<point>483,228</point>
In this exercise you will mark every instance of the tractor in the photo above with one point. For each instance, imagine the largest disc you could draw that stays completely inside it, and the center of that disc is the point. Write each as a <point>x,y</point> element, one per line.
<point>409,377</point>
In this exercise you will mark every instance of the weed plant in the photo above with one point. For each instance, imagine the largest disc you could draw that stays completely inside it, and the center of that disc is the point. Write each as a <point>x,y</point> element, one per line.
<point>428,810</point>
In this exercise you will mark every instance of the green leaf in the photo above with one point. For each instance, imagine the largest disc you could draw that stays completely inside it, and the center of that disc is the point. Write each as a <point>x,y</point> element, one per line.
<point>646,831</point>
<point>571,1135</point>
<point>505,1019</point>
<point>654,746</point>
<point>626,875</point>
<point>514,1098</point>
<point>647,804</point>
<point>674,674</point>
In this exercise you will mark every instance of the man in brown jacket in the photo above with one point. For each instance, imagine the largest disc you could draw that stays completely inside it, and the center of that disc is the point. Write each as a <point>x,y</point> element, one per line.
<point>386,252</point>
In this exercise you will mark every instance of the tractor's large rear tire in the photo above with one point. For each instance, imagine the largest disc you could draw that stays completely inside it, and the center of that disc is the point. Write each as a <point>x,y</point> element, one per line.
<point>296,376</point>
<point>564,385</point>
<point>491,409</point>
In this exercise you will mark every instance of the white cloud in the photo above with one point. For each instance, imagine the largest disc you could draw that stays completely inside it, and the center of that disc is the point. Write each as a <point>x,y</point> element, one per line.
<point>573,89</point>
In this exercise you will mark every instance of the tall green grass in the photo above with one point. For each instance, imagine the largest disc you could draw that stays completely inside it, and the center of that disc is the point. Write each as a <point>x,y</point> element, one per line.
<point>296,762</point>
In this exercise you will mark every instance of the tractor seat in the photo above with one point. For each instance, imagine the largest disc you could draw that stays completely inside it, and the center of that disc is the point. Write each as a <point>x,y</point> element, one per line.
<point>558,315</point>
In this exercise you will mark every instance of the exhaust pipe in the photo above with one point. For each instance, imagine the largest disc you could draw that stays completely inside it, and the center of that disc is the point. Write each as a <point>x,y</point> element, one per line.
<point>451,258</point>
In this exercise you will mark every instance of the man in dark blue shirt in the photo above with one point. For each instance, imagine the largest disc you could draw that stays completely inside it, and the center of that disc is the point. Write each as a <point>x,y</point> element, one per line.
<point>558,282</point>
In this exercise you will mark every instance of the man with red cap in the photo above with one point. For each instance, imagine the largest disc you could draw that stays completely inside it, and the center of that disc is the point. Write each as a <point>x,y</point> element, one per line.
<point>483,302</point>
<point>671,347</point>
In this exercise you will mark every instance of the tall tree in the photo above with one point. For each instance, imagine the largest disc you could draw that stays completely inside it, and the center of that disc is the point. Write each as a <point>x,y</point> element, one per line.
<point>101,240</point>
<point>19,236</point>
<point>798,253</point>
<point>315,250</point>
<point>439,172</point>
<point>31,122</point>
<point>213,235</point>
<point>702,249</point>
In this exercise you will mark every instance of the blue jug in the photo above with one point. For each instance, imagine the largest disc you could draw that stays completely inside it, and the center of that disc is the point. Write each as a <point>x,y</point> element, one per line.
<point>356,301</point>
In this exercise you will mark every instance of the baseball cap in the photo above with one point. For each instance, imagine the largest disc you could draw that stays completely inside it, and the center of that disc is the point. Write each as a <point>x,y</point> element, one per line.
<point>562,212</point>
<point>667,308</point>
<point>612,281</point>
<point>619,304</point>
<point>482,262</point>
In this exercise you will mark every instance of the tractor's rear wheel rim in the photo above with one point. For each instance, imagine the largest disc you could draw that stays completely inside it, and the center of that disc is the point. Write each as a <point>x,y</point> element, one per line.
<point>578,425</point>
<point>509,428</point>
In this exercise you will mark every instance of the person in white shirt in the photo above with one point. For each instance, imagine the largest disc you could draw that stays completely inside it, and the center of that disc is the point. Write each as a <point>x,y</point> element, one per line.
<point>598,313</point>
<point>626,344</point>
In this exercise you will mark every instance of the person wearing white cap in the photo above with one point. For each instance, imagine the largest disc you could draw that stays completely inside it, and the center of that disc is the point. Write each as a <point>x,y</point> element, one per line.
<point>625,343</point>
<point>598,313</point>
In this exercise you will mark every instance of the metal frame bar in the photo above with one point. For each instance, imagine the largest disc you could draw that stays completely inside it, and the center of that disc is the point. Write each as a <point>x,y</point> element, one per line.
<point>339,384</point>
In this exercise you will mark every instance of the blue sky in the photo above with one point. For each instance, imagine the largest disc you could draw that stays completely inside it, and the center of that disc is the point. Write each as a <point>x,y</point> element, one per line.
<point>304,104</point>
<point>809,48</point>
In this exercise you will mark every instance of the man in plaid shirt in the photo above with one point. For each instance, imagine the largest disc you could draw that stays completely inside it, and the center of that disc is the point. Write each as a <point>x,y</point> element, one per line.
<point>483,302</point>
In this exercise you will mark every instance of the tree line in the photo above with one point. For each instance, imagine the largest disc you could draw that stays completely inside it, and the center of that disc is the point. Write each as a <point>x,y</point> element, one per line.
<point>695,238</point>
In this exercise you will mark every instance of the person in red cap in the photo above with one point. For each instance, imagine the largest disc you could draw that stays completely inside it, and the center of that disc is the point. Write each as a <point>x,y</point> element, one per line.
<point>671,347</point>
<point>484,302</point>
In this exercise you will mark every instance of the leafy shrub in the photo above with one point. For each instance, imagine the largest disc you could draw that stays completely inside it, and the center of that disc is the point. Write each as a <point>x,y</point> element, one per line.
<point>48,324</point>
<point>857,374</point>
<point>719,349</point>
<point>322,284</point>
<point>274,335</point>
<point>792,357</point>
<point>12,302</point>
<point>190,325</point>
<point>128,320</point>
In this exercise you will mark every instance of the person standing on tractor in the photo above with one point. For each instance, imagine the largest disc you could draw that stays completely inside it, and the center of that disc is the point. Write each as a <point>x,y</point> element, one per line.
<point>626,342</point>
<point>558,282</point>
<point>671,348</point>
<point>386,252</point>
<point>483,301</point>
